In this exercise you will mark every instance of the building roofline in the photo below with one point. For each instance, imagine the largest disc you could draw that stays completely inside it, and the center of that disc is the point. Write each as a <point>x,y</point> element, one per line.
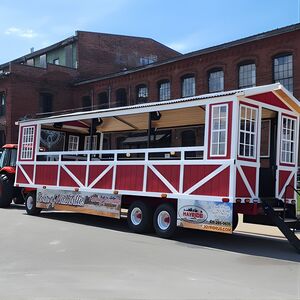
<point>59,44</point>
<point>226,45</point>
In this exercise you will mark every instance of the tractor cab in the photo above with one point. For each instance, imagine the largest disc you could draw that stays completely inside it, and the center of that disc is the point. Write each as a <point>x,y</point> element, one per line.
<point>7,176</point>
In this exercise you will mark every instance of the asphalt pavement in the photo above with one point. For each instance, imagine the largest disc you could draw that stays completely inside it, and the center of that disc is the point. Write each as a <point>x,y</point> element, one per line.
<point>74,256</point>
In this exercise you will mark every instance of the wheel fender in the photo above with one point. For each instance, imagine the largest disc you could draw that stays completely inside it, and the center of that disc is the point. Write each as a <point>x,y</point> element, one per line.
<point>9,170</point>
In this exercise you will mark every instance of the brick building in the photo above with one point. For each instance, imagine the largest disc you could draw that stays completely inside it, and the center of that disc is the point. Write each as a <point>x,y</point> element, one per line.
<point>41,81</point>
<point>93,70</point>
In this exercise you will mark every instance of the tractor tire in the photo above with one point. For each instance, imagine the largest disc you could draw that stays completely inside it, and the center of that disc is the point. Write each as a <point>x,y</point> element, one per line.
<point>18,197</point>
<point>30,204</point>
<point>6,191</point>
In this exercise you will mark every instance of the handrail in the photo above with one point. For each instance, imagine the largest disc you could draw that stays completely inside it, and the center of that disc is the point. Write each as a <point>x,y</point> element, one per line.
<point>285,198</point>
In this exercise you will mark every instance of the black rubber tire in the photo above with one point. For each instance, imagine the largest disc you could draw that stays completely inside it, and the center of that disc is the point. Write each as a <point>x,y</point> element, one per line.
<point>19,199</point>
<point>145,224</point>
<point>235,220</point>
<point>30,204</point>
<point>6,190</point>
<point>171,229</point>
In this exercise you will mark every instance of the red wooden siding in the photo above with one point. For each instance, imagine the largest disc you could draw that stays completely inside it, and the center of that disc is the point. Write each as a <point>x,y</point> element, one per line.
<point>46,175</point>
<point>130,177</point>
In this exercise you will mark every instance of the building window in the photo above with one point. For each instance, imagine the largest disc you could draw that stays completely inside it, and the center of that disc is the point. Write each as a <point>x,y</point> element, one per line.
<point>248,129</point>
<point>247,75</point>
<point>288,140</point>
<point>86,103</point>
<point>27,142</point>
<point>56,61</point>
<point>46,102</point>
<point>283,71</point>
<point>103,100</point>
<point>188,86</point>
<point>216,81</point>
<point>2,104</point>
<point>164,90</point>
<point>148,60</point>
<point>219,130</point>
<point>43,61</point>
<point>121,97</point>
<point>87,142</point>
<point>141,93</point>
<point>73,143</point>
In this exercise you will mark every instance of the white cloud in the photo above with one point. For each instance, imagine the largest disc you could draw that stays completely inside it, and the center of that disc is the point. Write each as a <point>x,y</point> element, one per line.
<point>24,33</point>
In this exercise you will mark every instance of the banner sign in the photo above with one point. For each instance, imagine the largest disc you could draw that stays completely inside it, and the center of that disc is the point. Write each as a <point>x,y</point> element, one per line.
<point>106,205</point>
<point>205,215</point>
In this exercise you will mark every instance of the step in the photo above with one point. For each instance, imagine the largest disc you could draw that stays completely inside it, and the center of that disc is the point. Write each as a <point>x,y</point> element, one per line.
<point>279,209</point>
<point>290,220</point>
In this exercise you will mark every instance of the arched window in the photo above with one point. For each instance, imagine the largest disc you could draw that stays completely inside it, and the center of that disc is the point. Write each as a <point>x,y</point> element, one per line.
<point>103,100</point>
<point>215,80</point>
<point>188,85</point>
<point>164,90</point>
<point>247,74</point>
<point>2,104</point>
<point>283,70</point>
<point>121,97</point>
<point>142,93</point>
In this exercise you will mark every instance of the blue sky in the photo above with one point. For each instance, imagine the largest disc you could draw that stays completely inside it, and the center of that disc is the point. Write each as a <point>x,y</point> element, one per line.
<point>185,25</point>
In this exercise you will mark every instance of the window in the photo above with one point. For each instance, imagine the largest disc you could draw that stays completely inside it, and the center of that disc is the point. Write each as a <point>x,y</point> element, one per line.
<point>73,143</point>
<point>248,129</point>
<point>141,93</point>
<point>56,61</point>
<point>219,130</point>
<point>283,71</point>
<point>2,104</point>
<point>86,103</point>
<point>216,81</point>
<point>121,97</point>
<point>148,60</point>
<point>87,142</point>
<point>265,138</point>
<point>288,140</point>
<point>27,142</point>
<point>103,100</point>
<point>164,90</point>
<point>43,61</point>
<point>247,75</point>
<point>30,62</point>
<point>46,101</point>
<point>188,86</point>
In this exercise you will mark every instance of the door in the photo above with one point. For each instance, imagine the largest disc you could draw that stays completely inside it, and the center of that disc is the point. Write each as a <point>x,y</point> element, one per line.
<point>267,172</point>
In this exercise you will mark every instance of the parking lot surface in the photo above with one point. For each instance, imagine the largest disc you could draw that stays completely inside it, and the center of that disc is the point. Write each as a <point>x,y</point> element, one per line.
<point>74,256</point>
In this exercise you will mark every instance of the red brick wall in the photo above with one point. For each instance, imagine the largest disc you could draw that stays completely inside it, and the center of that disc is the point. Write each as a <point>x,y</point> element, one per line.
<point>100,54</point>
<point>261,51</point>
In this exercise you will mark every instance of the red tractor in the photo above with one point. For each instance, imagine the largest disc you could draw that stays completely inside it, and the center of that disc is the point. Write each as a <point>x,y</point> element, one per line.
<point>7,177</point>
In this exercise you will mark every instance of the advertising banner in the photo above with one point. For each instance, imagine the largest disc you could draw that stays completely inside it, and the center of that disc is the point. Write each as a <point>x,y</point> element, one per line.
<point>106,205</point>
<point>205,215</point>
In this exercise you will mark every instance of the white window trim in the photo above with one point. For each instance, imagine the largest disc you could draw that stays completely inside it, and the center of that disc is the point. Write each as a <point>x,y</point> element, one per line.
<point>211,130</point>
<point>75,137</point>
<point>255,132</point>
<point>27,143</point>
<point>293,141</point>
<point>94,142</point>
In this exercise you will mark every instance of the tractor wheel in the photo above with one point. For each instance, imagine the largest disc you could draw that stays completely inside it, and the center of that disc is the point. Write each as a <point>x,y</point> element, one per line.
<point>19,199</point>
<point>6,190</point>
<point>30,204</point>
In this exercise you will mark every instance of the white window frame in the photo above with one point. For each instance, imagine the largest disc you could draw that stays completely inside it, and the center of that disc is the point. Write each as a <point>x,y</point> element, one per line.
<point>289,141</point>
<point>27,148</point>
<point>247,132</point>
<point>73,141</point>
<point>87,142</point>
<point>218,130</point>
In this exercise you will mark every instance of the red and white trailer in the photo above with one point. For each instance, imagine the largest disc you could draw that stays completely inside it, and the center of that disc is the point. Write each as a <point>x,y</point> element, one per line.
<point>191,162</point>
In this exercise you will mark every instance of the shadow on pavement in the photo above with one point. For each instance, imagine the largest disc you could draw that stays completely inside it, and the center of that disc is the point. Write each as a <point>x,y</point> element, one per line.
<point>240,242</point>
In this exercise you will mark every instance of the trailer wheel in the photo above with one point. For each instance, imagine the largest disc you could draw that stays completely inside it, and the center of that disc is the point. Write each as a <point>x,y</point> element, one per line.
<point>139,217</point>
<point>164,220</point>
<point>30,204</point>
<point>6,190</point>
